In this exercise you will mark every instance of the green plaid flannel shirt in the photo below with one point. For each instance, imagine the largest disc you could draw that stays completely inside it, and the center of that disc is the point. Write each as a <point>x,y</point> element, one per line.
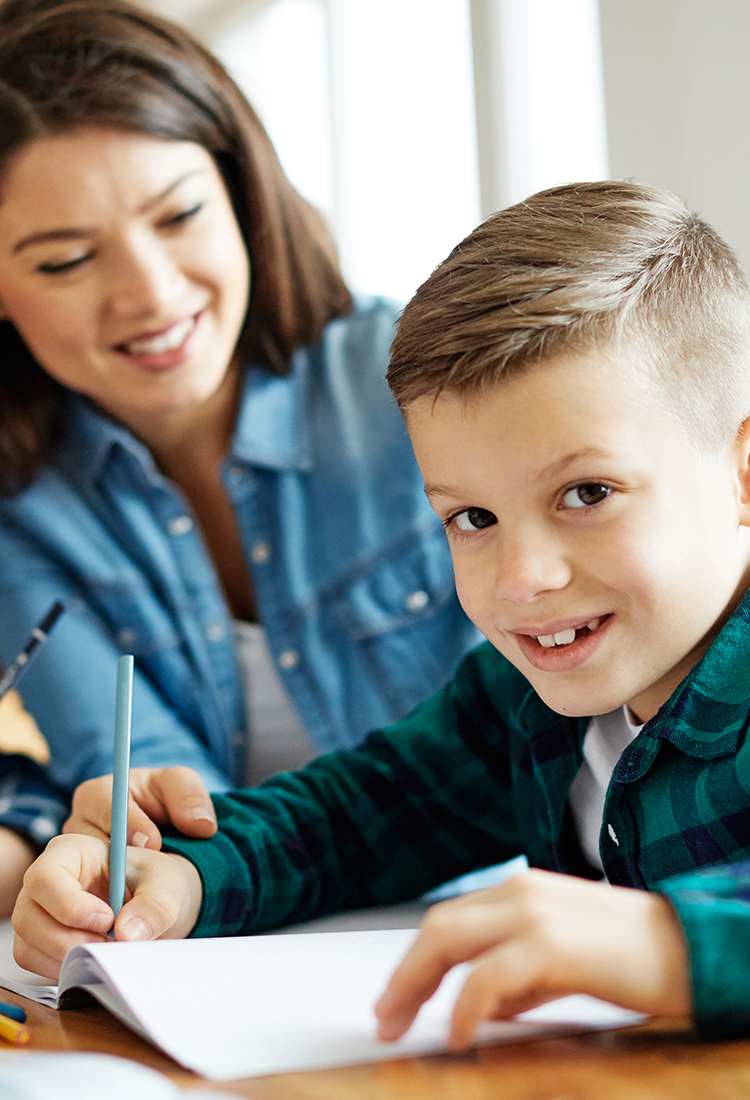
<point>480,773</point>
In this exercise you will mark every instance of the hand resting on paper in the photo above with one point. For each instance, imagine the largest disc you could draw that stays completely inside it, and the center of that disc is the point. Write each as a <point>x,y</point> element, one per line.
<point>62,902</point>
<point>157,796</point>
<point>537,937</point>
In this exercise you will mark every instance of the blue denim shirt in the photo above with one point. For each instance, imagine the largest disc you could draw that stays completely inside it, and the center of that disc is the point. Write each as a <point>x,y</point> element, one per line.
<point>351,570</point>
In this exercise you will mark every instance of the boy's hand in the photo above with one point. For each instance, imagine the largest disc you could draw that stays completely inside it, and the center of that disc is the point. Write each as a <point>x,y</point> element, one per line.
<point>537,937</point>
<point>62,901</point>
<point>164,795</point>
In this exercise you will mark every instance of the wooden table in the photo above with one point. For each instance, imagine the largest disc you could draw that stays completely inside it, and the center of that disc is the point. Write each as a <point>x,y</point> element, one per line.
<point>650,1062</point>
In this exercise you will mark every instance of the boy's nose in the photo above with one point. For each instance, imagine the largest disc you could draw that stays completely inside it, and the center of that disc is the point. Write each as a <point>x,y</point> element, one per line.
<point>528,566</point>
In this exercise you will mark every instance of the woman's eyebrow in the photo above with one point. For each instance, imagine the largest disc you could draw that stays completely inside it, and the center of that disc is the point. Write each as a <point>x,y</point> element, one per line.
<point>51,235</point>
<point>79,232</point>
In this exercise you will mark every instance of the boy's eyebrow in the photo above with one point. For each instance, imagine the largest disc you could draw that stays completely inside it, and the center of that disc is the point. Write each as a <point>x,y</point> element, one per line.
<point>562,464</point>
<point>555,469</point>
<point>80,232</point>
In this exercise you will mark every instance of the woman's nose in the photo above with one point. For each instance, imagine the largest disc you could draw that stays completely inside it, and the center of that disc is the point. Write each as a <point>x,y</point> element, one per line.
<point>145,279</point>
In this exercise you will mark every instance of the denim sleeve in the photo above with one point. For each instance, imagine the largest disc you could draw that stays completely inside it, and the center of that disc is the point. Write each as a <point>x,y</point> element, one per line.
<point>29,803</point>
<point>713,906</point>
<point>70,689</point>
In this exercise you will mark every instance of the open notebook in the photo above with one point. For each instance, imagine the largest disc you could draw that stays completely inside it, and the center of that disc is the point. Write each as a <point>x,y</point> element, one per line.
<point>247,1006</point>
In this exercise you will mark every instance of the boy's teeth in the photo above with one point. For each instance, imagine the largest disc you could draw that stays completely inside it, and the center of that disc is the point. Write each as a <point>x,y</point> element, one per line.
<point>564,637</point>
<point>165,341</point>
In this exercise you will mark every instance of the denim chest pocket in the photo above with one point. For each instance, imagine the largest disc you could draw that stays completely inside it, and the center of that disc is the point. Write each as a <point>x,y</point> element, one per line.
<point>408,587</point>
<point>405,628</point>
<point>134,619</point>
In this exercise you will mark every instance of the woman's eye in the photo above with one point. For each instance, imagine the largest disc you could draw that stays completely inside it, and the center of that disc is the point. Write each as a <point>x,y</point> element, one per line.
<point>474,519</point>
<point>183,216</point>
<point>584,496</point>
<point>64,265</point>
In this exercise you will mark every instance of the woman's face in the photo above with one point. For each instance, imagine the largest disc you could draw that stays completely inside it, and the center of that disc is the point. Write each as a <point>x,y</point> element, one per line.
<point>123,269</point>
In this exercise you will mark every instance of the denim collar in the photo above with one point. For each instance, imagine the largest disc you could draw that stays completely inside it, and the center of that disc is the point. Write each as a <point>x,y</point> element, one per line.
<point>271,430</point>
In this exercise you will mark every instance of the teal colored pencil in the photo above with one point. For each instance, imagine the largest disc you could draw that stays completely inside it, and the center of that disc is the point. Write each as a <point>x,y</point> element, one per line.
<point>120,785</point>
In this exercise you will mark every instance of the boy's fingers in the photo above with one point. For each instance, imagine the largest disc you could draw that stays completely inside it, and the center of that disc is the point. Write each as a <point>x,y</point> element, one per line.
<point>91,813</point>
<point>69,881</point>
<point>504,982</point>
<point>184,800</point>
<point>452,932</point>
<point>48,941</point>
<point>166,895</point>
<point>157,795</point>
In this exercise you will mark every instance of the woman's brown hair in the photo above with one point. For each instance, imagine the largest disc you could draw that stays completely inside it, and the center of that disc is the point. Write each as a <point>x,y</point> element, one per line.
<point>71,64</point>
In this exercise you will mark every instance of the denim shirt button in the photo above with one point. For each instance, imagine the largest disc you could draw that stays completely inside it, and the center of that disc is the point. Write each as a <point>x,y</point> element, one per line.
<point>180,525</point>
<point>289,659</point>
<point>260,553</point>
<point>126,637</point>
<point>417,601</point>
<point>215,632</point>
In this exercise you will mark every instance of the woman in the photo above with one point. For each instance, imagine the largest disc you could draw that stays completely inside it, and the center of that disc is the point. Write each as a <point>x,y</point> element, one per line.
<point>195,433</point>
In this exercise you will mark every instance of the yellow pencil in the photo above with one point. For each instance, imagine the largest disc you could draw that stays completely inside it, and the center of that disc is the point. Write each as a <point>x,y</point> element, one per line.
<point>13,1032</point>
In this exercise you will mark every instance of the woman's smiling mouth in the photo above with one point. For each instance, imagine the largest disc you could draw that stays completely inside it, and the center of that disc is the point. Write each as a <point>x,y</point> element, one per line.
<point>163,350</point>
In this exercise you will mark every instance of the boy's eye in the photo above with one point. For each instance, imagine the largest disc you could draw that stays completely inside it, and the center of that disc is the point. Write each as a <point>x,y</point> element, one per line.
<point>474,519</point>
<point>583,496</point>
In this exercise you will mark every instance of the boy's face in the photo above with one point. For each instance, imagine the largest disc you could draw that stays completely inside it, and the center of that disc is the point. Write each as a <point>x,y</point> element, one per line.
<point>578,517</point>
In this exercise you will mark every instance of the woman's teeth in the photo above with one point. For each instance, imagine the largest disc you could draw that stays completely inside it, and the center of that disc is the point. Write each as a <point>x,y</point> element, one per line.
<point>165,341</point>
<point>564,637</point>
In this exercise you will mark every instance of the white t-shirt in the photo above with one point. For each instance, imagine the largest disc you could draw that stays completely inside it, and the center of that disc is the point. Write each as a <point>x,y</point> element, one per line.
<point>607,737</point>
<point>277,741</point>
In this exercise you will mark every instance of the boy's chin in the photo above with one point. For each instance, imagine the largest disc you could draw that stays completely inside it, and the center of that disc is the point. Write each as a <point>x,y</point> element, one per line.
<point>581,704</point>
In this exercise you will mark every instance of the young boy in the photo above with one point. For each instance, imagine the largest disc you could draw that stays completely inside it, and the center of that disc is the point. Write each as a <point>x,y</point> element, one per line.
<point>576,381</point>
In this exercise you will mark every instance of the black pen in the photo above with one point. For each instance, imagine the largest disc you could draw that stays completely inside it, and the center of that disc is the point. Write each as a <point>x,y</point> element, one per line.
<point>30,650</point>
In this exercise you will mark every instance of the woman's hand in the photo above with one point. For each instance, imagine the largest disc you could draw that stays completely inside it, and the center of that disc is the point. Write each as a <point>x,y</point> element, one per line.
<point>537,937</point>
<point>16,856</point>
<point>62,901</point>
<point>157,795</point>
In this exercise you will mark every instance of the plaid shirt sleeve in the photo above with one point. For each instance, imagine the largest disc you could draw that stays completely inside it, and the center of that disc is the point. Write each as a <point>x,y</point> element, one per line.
<point>29,804</point>
<point>713,906</point>
<point>420,802</point>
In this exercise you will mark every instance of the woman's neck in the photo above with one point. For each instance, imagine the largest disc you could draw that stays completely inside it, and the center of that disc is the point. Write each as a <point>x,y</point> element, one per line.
<point>190,444</point>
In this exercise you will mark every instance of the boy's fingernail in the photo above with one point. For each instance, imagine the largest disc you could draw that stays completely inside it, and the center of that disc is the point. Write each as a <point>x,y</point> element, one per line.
<point>198,813</point>
<point>136,929</point>
<point>140,840</point>
<point>99,922</point>
<point>393,1028</point>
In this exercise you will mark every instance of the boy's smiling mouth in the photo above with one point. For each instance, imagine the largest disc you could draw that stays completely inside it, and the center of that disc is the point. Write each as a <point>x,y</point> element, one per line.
<point>563,646</point>
<point>565,637</point>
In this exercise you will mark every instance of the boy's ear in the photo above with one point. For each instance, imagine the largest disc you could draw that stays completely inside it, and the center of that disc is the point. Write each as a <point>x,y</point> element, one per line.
<point>743,471</point>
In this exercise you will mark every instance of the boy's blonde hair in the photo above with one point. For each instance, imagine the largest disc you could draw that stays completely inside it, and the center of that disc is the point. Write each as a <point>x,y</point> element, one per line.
<point>610,266</point>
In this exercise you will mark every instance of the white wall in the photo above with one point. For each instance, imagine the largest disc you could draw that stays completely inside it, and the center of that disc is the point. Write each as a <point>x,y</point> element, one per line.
<point>677,82</point>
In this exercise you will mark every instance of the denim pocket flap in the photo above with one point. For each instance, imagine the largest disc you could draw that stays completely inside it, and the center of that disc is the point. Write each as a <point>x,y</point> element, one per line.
<point>399,589</point>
